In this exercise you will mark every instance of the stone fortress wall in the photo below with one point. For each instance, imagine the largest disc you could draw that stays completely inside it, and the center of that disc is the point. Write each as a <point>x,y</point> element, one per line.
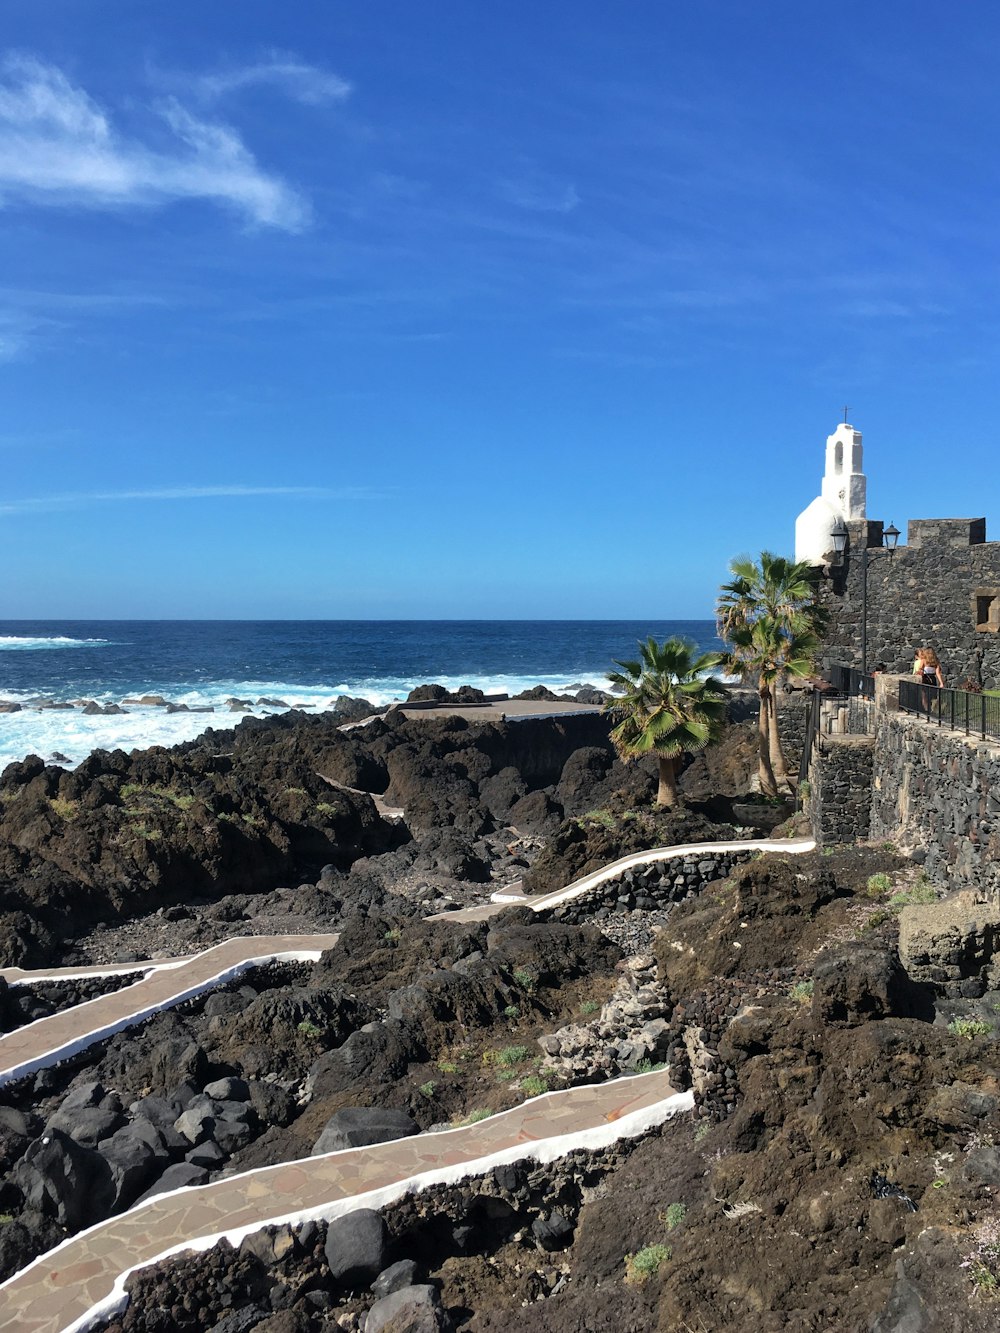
<point>941,589</point>
<point>932,792</point>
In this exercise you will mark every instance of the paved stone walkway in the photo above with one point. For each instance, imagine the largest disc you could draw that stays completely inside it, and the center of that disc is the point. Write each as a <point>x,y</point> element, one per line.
<point>45,1042</point>
<point>61,1289</point>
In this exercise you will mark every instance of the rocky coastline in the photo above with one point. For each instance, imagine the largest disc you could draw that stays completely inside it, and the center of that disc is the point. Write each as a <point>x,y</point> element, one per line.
<point>835,1173</point>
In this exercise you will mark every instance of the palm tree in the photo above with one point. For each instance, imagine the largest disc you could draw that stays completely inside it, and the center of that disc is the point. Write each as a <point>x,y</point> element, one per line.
<point>669,706</point>
<point>768,616</point>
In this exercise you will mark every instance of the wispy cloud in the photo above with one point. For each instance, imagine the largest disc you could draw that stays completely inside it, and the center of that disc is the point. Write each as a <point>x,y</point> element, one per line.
<point>58,146</point>
<point>539,193</point>
<point>81,499</point>
<point>296,79</point>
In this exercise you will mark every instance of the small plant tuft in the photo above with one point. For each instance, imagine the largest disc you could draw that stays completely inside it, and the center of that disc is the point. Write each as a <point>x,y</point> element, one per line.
<point>967,1028</point>
<point>802,991</point>
<point>427,1089</point>
<point>473,1118</point>
<point>640,1267</point>
<point>878,885</point>
<point>673,1216</point>
<point>533,1085</point>
<point>309,1029</point>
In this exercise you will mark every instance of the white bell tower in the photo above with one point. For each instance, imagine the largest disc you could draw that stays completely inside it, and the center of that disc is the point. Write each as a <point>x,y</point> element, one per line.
<point>842,496</point>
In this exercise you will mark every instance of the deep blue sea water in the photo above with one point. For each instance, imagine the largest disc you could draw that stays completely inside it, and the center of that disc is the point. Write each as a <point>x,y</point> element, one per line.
<point>303,663</point>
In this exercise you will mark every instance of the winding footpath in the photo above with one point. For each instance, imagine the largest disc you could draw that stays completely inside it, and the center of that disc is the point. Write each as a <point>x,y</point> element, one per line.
<point>68,1287</point>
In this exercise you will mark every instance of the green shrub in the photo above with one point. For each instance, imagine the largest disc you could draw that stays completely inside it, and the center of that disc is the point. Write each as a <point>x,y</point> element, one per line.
<point>506,1058</point>
<point>802,991</point>
<point>922,893</point>
<point>148,834</point>
<point>602,817</point>
<point>427,1089</point>
<point>640,1267</point>
<point>525,979</point>
<point>534,1085</point>
<point>590,1007</point>
<point>473,1118</point>
<point>967,1028</point>
<point>673,1216</point>
<point>309,1029</point>
<point>879,885</point>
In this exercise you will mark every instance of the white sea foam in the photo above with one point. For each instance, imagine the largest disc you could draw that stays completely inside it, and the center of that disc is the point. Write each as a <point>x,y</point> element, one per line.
<point>74,734</point>
<point>21,643</point>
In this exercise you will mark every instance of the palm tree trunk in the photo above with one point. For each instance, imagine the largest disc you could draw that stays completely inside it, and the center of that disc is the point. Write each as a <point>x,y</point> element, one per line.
<point>666,792</point>
<point>768,784</point>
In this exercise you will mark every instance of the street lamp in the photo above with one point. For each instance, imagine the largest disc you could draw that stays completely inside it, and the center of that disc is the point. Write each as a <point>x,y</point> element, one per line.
<point>890,537</point>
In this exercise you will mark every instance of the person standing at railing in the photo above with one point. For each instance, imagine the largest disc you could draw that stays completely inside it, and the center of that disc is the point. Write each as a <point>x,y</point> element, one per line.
<point>927,667</point>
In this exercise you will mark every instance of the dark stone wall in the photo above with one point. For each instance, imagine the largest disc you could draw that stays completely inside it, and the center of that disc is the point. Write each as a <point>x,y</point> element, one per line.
<point>923,595</point>
<point>840,788</point>
<point>793,717</point>
<point>654,885</point>
<point>940,791</point>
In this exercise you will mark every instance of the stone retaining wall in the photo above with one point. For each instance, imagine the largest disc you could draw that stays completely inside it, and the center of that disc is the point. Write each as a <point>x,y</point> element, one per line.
<point>939,791</point>
<point>840,782</point>
<point>651,886</point>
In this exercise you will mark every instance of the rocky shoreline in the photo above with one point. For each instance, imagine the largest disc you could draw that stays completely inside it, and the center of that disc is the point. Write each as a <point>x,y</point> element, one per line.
<point>828,1085</point>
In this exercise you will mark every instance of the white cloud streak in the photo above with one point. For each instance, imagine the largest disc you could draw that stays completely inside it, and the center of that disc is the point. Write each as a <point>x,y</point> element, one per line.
<point>539,194</point>
<point>297,80</point>
<point>57,146</point>
<point>81,499</point>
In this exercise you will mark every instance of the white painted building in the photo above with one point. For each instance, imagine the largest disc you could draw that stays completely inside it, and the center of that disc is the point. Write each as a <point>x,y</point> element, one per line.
<point>842,496</point>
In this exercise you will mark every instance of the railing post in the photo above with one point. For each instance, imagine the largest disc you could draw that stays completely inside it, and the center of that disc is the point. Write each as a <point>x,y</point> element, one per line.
<point>982,709</point>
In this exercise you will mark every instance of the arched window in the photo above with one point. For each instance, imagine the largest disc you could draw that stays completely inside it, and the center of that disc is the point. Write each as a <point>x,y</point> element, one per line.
<point>838,457</point>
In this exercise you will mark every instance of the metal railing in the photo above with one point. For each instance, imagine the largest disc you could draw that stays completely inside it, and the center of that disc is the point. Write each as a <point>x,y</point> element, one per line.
<point>851,682</point>
<point>960,710</point>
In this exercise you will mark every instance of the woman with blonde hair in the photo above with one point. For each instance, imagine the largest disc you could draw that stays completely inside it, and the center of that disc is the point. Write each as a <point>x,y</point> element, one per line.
<point>927,668</point>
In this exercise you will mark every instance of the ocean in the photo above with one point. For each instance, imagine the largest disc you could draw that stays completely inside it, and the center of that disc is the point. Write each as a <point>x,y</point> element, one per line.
<point>303,664</point>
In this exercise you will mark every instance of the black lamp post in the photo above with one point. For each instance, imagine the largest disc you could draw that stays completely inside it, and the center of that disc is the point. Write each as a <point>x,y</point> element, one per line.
<point>890,537</point>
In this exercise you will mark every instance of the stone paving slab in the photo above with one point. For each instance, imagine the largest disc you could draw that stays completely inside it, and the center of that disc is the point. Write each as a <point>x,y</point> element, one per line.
<point>48,1040</point>
<point>63,1289</point>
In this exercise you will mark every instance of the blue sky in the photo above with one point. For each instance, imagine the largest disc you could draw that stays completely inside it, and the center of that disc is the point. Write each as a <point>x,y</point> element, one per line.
<point>371,309</point>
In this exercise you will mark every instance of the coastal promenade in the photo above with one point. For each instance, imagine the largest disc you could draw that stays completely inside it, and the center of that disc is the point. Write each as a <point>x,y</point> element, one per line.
<point>65,1289</point>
